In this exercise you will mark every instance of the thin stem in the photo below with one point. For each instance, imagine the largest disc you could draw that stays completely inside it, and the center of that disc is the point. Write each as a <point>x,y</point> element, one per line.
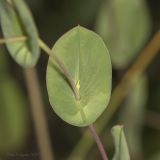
<point>98,141</point>
<point>39,119</point>
<point>122,89</point>
<point>62,67</point>
<point>12,39</point>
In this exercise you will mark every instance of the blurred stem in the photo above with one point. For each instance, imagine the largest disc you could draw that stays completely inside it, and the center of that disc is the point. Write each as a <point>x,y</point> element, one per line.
<point>119,93</point>
<point>12,39</point>
<point>98,141</point>
<point>39,119</point>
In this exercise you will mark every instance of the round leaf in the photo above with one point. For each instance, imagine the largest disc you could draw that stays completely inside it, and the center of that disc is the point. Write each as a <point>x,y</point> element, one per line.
<point>87,59</point>
<point>125,26</point>
<point>16,20</point>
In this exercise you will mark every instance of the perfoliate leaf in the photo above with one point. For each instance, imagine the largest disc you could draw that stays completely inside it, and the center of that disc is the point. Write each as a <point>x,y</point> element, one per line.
<point>121,148</point>
<point>125,26</point>
<point>16,20</point>
<point>87,59</point>
<point>13,115</point>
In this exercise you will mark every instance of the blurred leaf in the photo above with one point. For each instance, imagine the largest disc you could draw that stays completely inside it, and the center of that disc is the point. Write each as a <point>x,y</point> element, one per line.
<point>125,26</point>
<point>155,157</point>
<point>13,115</point>
<point>16,20</point>
<point>121,148</point>
<point>87,59</point>
<point>135,109</point>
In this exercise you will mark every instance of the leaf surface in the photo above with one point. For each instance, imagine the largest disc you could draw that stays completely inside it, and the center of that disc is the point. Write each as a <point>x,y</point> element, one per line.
<point>87,59</point>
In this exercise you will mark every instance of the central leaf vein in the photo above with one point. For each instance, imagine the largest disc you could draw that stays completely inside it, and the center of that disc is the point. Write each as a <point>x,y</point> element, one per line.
<point>78,57</point>
<point>77,78</point>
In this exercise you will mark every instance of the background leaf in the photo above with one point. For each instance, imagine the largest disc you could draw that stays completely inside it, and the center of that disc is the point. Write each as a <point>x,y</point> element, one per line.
<point>121,148</point>
<point>125,26</point>
<point>87,59</point>
<point>13,115</point>
<point>135,109</point>
<point>16,20</point>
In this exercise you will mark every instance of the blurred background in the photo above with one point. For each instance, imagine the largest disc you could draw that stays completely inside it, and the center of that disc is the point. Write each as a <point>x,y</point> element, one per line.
<point>126,27</point>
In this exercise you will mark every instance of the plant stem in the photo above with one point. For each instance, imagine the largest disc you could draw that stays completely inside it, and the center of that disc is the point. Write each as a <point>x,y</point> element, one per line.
<point>119,93</point>
<point>98,141</point>
<point>39,119</point>
<point>12,39</point>
<point>62,67</point>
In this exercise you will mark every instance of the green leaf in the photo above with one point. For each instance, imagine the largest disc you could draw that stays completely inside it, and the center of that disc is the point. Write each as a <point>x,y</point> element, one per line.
<point>121,148</point>
<point>87,59</point>
<point>16,20</point>
<point>135,109</point>
<point>13,115</point>
<point>125,26</point>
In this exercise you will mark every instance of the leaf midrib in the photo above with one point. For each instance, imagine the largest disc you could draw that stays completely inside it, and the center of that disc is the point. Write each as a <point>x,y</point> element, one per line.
<point>78,57</point>
<point>80,108</point>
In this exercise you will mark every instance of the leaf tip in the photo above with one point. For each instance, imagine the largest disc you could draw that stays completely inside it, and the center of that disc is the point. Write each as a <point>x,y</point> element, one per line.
<point>117,127</point>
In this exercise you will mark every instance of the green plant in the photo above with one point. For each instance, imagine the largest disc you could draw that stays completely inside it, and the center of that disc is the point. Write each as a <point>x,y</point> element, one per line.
<point>78,73</point>
<point>78,91</point>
